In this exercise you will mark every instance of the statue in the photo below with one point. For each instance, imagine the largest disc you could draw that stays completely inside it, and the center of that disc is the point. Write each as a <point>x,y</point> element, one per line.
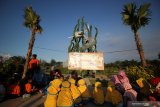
<point>82,39</point>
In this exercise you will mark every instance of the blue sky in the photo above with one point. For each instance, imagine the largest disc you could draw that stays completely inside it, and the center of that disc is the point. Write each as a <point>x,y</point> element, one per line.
<point>58,18</point>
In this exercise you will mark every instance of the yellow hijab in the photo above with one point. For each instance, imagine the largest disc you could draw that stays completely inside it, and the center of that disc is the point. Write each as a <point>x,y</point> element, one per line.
<point>75,91</point>
<point>98,93</point>
<point>83,89</point>
<point>112,94</point>
<point>65,97</point>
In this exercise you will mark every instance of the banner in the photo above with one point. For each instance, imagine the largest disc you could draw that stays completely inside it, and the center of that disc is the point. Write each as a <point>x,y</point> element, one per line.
<point>85,61</point>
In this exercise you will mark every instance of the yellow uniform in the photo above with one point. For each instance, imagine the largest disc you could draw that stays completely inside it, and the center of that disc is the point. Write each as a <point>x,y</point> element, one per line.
<point>98,93</point>
<point>84,90</point>
<point>113,95</point>
<point>75,91</point>
<point>51,100</point>
<point>65,96</point>
<point>145,87</point>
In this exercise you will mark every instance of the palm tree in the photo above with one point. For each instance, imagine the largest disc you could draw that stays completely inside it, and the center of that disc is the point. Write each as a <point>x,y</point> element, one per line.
<point>32,21</point>
<point>136,18</point>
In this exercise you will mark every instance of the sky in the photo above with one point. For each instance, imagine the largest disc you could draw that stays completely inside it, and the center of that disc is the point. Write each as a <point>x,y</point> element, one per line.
<point>58,18</point>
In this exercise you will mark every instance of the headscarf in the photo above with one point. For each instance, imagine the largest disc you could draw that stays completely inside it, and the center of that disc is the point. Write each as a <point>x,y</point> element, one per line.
<point>53,89</point>
<point>65,97</point>
<point>98,85</point>
<point>140,82</point>
<point>75,91</point>
<point>98,93</point>
<point>56,84</point>
<point>81,82</point>
<point>65,85</point>
<point>83,89</point>
<point>112,94</point>
<point>145,87</point>
<point>72,81</point>
<point>123,75</point>
<point>115,79</point>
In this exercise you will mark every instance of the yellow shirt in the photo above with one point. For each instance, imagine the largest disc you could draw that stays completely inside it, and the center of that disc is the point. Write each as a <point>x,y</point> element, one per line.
<point>51,100</point>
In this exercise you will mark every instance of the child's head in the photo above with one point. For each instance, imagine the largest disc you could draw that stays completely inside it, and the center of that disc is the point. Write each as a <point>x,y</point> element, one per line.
<point>121,74</point>
<point>158,88</point>
<point>56,83</point>
<point>111,86</point>
<point>65,84</point>
<point>34,56</point>
<point>81,82</point>
<point>98,84</point>
<point>74,75</point>
<point>140,82</point>
<point>72,81</point>
<point>29,80</point>
<point>61,77</point>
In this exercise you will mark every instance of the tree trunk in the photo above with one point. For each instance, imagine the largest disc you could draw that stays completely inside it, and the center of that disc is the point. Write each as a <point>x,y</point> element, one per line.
<point>140,49</point>
<point>31,43</point>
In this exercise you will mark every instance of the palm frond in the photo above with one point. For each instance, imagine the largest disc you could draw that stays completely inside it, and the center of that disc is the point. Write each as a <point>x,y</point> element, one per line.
<point>143,10</point>
<point>134,17</point>
<point>128,13</point>
<point>39,29</point>
<point>32,19</point>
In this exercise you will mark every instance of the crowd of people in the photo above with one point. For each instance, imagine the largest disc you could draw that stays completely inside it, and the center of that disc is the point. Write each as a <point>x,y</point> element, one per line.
<point>36,80</point>
<point>72,90</point>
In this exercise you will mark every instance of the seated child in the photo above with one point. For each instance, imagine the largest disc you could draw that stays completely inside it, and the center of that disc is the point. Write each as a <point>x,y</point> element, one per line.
<point>14,89</point>
<point>155,96</point>
<point>113,97</point>
<point>75,92</point>
<point>129,94</point>
<point>122,77</point>
<point>65,98</point>
<point>29,89</point>
<point>145,89</point>
<point>86,96</point>
<point>53,90</point>
<point>98,94</point>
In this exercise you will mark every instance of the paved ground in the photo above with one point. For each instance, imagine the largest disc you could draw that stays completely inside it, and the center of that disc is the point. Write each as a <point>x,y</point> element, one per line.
<point>33,101</point>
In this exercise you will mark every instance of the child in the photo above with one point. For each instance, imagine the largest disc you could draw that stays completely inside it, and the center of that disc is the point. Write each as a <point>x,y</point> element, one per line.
<point>113,97</point>
<point>122,77</point>
<point>65,98</point>
<point>98,94</point>
<point>86,96</point>
<point>53,90</point>
<point>129,94</point>
<point>29,89</point>
<point>117,83</point>
<point>14,90</point>
<point>145,89</point>
<point>75,93</point>
<point>155,96</point>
